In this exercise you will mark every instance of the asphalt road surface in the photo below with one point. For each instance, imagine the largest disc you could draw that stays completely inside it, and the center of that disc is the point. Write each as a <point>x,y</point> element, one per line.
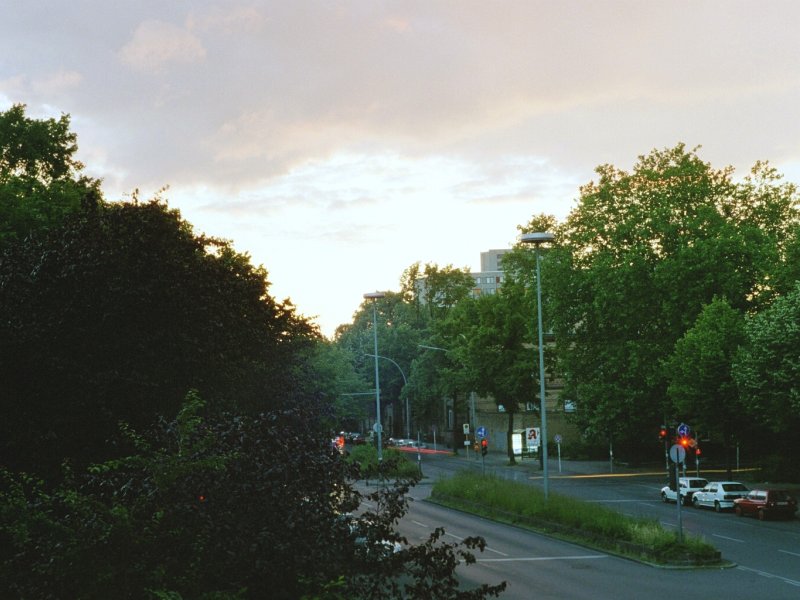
<point>766,554</point>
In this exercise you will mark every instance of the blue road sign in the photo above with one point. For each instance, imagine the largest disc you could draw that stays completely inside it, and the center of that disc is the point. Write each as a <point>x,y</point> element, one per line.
<point>683,429</point>
<point>481,431</point>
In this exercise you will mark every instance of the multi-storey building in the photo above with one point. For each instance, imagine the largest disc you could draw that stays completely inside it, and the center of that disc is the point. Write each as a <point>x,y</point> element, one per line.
<point>490,277</point>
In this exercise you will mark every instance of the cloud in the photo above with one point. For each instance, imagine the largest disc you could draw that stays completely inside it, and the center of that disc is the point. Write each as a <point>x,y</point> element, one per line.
<point>56,83</point>
<point>156,44</point>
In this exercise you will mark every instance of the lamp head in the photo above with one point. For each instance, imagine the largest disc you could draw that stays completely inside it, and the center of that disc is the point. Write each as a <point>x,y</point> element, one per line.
<point>537,238</point>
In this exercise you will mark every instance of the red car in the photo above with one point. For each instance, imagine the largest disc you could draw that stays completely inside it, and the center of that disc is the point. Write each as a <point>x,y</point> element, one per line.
<point>765,504</point>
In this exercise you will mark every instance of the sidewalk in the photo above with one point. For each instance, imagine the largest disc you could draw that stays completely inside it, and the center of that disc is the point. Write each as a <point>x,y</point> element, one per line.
<point>531,466</point>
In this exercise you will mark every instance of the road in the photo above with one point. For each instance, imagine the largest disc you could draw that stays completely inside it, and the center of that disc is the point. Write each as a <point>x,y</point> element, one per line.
<point>767,554</point>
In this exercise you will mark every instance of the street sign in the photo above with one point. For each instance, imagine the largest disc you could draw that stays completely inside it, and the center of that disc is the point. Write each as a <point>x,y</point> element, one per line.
<point>481,431</point>
<point>377,428</point>
<point>557,438</point>
<point>466,428</point>
<point>677,453</point>
<point>683,429</point>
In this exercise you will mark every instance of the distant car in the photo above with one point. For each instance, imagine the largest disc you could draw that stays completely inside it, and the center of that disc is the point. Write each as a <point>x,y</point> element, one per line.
<point>688,486</point>
<point>357,439</point>
<point>719,495</point>
<point>765,504</point>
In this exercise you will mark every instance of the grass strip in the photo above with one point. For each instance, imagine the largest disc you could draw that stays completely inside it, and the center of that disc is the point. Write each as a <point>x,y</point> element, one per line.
<point>572,519</point>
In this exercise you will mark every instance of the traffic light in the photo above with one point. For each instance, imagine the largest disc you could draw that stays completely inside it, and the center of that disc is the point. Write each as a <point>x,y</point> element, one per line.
<point>662,433</point>
<point>684,441</point>
<point>484,446</point>
<point>697,451</point>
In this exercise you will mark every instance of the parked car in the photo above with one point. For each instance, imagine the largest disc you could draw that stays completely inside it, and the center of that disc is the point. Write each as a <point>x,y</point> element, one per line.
<point>719,495</point>
<point>688,486</point>
<point>765,504</point>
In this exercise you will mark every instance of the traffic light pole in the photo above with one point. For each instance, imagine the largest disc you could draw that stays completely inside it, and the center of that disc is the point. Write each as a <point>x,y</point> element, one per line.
<point>678,501</point>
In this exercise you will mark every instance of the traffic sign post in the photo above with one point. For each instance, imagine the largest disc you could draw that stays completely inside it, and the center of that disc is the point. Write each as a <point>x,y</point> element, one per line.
<point>677,454</point>
<point>557,439</point>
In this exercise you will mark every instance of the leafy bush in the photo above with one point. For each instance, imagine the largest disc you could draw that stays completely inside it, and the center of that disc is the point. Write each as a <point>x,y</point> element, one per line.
<point>230,508</point>
<point>395,463</point>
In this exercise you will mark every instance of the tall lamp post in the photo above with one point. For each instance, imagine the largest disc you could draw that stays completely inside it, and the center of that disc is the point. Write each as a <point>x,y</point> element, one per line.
<point>405,383</point>
<point>537,239</point>
<point>374,296</point>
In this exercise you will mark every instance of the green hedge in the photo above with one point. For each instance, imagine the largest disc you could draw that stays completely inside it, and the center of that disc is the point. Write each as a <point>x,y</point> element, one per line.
<point>395,463</point>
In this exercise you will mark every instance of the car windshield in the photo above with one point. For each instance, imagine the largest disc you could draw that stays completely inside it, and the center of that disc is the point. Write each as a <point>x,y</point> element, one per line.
<point>780,496</point>
<point>697,483</point>
<point>734,487</point>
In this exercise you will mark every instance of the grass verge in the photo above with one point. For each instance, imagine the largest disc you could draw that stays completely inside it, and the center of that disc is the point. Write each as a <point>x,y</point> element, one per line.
<point>571,519</point>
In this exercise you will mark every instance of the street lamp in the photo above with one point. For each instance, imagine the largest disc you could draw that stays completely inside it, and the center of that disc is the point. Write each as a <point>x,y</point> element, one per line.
<point>537,239</point>
<point>374,296</point>
<point>405,383</point>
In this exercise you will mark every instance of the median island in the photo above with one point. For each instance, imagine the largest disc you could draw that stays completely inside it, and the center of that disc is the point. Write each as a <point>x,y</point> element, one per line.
<point>573,520</point>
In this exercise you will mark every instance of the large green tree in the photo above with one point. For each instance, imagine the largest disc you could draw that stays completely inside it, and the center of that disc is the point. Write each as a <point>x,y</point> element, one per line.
<point>634,264</point>
<point>767,371</point>
<point>701,379</point>
<point>115,314</point>
<point>493,349</point>
<point>40,178</point>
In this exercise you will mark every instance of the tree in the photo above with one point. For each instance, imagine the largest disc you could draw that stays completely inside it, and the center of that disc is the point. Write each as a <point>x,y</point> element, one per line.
<point>701,378</point>
<point>634,264</point>
<point>228,507</point>
<point>494,359</point>
<point>435,289</point>
<point>767,371</point>
<point>40,180</point>
<point>115,314</point>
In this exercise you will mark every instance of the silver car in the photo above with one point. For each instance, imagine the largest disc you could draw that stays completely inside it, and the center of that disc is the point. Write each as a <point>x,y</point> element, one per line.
<point>719,495</point>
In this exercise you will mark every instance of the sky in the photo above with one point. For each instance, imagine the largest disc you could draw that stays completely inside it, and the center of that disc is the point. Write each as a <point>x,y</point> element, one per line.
<point>338,143</point>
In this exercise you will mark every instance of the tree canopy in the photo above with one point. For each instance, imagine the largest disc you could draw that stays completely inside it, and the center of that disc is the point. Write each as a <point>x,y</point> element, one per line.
<point>115,314</point>
<point>40,178</point>
<point>636,261</point>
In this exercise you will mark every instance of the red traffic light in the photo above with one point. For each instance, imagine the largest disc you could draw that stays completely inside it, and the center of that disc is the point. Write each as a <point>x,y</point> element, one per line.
<point>684,442</point>
<point>663,432</point>
<point>697,451</point>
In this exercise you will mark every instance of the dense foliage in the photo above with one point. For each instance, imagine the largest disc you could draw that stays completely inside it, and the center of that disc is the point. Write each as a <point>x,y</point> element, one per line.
<point>767,371</point>
<point>634,265</point>
<point>233,507</point>
<point>115,314</point>
<point>40,180</point>
<point>701,375</point>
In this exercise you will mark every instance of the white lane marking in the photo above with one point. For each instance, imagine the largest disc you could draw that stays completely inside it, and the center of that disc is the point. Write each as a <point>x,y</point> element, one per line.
<point>770,575</point>
<point>787,552</point>
<point>461,539</point>
<point>725,537</point>
<point>418,523</point>
<point>540,558</point>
